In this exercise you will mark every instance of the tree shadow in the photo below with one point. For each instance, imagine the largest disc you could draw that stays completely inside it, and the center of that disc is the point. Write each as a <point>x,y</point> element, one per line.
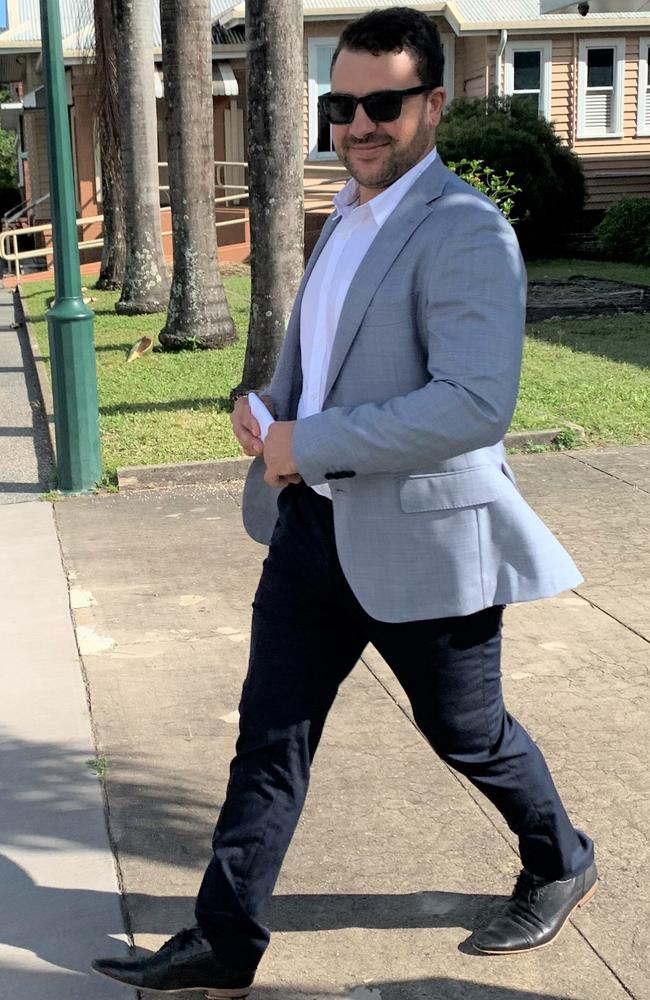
<point>48,800</point>
<point>49,805</point>
<point>627,342</point>
<point>123,348</point>
<point>221,404</point>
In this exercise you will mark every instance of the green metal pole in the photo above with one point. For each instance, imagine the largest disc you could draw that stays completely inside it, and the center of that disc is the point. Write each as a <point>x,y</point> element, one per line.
<point>70,321</point>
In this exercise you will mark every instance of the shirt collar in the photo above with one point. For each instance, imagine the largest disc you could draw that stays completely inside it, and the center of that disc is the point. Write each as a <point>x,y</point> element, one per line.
<point>346,200</point>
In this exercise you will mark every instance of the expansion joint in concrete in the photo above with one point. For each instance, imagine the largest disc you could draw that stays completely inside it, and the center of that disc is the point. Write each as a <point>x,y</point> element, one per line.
<point>119,875</point>
<point>605,472</point>
<point>469,791</point>
<point>618,621</point>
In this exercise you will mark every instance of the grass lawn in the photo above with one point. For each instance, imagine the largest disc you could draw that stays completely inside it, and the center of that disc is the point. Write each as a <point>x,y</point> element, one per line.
<point>174,407</point>
<point>566,267</point>
<point>164,407</point>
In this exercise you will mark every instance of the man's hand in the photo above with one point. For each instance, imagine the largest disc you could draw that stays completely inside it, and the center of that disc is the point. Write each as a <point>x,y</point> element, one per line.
<point>278,456</point>
<point>246,427</point>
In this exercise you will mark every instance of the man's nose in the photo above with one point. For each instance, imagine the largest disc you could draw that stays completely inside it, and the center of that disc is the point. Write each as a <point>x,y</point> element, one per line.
<point>361,125</point>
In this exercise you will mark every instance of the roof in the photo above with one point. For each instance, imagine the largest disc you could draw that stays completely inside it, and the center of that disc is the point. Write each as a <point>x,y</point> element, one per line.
<point>507,12</point>
<point>465,16</point>
<point>77,24</point>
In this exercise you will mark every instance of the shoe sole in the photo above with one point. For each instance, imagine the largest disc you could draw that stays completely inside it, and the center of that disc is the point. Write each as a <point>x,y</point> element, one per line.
<point>209,992</point>
<point>535,947</point>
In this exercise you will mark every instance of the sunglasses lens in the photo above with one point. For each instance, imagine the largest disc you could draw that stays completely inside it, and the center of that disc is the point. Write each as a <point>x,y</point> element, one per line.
<point>338,110</point>
<point>383,107</point>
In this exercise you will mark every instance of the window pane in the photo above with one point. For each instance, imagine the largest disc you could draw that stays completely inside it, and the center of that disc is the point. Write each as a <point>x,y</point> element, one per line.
<point>528,70</point>
<point>325,144</point>
<point>532,99</point>
<point>600,68</point>
<point>324,55</point>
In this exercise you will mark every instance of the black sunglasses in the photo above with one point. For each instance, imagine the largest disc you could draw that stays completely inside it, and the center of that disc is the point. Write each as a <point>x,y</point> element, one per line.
<point>380,106</point>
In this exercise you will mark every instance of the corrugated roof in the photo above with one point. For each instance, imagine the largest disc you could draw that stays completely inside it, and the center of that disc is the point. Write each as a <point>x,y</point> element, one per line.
<point>465,12</point>
<point>79,35</point>
<point>508,11</point>
<point>343,5</point>
<point>77,23</point>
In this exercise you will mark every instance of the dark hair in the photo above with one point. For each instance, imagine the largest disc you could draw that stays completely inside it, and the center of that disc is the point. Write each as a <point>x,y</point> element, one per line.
<point>398,29</point>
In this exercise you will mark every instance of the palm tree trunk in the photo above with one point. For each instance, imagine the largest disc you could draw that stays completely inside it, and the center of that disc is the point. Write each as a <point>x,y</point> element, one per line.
<point>114,247</point>
<point>145,287</point>
<point>198,314</point>
<point>274,36</point>
<point>108,136</point>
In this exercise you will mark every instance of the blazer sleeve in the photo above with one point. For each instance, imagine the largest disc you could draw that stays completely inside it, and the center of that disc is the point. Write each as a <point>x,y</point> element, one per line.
<point>474,319</point>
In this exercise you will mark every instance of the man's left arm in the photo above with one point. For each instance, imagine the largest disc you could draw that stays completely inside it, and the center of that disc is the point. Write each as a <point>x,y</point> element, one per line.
<point>475,319</point>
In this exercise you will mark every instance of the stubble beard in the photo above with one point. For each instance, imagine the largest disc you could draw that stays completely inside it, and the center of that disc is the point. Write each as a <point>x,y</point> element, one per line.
<point>399,160</point>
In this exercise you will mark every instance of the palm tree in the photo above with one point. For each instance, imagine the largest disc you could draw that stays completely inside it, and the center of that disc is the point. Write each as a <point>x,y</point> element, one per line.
<point>108,135</point>
<point>274,36</point>
<point>198,314</point>
<point>145,287</point>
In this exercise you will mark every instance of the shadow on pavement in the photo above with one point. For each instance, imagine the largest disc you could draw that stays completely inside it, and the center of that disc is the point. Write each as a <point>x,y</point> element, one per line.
<point>435,988</point>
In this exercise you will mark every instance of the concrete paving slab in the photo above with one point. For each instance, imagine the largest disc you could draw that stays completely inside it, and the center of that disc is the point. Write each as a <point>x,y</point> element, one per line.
<point>394,861</point>
<point>59,889</point>
<point>25,457</point>
<point>631,464</point>
<point>604,521</point>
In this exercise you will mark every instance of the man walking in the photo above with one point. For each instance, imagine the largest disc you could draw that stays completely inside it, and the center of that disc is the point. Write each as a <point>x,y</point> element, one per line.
<point>391,514</point>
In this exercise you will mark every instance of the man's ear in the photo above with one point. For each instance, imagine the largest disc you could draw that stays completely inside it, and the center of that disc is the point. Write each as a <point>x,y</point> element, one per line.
<point>436,105</point>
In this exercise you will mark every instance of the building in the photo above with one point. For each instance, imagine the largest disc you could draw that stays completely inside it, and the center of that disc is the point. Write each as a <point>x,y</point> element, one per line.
<point>589,75</point>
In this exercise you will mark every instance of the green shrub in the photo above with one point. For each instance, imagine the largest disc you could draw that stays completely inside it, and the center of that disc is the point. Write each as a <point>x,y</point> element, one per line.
<point>624,233</point>
<point>488,182</point>
<point>509,135</point>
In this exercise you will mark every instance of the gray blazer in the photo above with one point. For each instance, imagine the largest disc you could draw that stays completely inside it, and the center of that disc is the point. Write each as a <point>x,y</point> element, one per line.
<point>420,391</point>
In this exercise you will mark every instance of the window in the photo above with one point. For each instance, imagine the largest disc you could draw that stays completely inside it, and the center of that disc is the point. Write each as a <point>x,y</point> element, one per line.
<point>643,120</point>
<point>319,59</point>
<point>528,74</point>
<point>601,75</point>
<point>449,49</point>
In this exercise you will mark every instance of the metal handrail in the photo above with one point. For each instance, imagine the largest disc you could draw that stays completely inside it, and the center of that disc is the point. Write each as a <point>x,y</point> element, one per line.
<point>15,213</point>
<point>15,256</point>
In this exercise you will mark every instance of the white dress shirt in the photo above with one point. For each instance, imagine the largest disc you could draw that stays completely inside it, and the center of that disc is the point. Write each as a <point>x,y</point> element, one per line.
<point>332,275</point>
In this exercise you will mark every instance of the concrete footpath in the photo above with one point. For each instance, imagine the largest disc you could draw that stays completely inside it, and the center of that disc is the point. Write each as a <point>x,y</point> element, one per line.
<point>124,643</point>
<point>396,859</point>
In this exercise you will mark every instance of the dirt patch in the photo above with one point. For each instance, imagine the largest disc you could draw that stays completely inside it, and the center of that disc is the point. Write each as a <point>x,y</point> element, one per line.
<point>582,296</point>
<point>230,267</point>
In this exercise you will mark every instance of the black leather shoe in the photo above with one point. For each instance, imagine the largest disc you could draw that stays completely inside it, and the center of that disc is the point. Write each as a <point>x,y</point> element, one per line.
<point>185,962</point>
<point>535,913</point>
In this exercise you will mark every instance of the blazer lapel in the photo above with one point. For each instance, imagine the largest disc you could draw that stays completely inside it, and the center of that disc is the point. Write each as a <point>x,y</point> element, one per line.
<point>414,207</point>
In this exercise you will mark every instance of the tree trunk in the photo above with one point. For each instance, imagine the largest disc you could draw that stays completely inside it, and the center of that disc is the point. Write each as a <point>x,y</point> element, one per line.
<point>198,314</point>
<point>274,37</point>
<point>108,136</point>
<point>145,287</point>
<point>114,248</point>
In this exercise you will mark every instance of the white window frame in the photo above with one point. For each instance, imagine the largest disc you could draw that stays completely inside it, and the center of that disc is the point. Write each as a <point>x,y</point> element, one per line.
<point>643,101</point>
<point>448,40</point>
<point>618,44</point>
<point>545,49</point>
<point>312,91</point>
<point>449,43</point>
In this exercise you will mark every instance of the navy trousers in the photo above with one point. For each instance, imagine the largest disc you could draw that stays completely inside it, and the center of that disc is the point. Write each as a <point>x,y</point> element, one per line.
<point>307,634</point>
